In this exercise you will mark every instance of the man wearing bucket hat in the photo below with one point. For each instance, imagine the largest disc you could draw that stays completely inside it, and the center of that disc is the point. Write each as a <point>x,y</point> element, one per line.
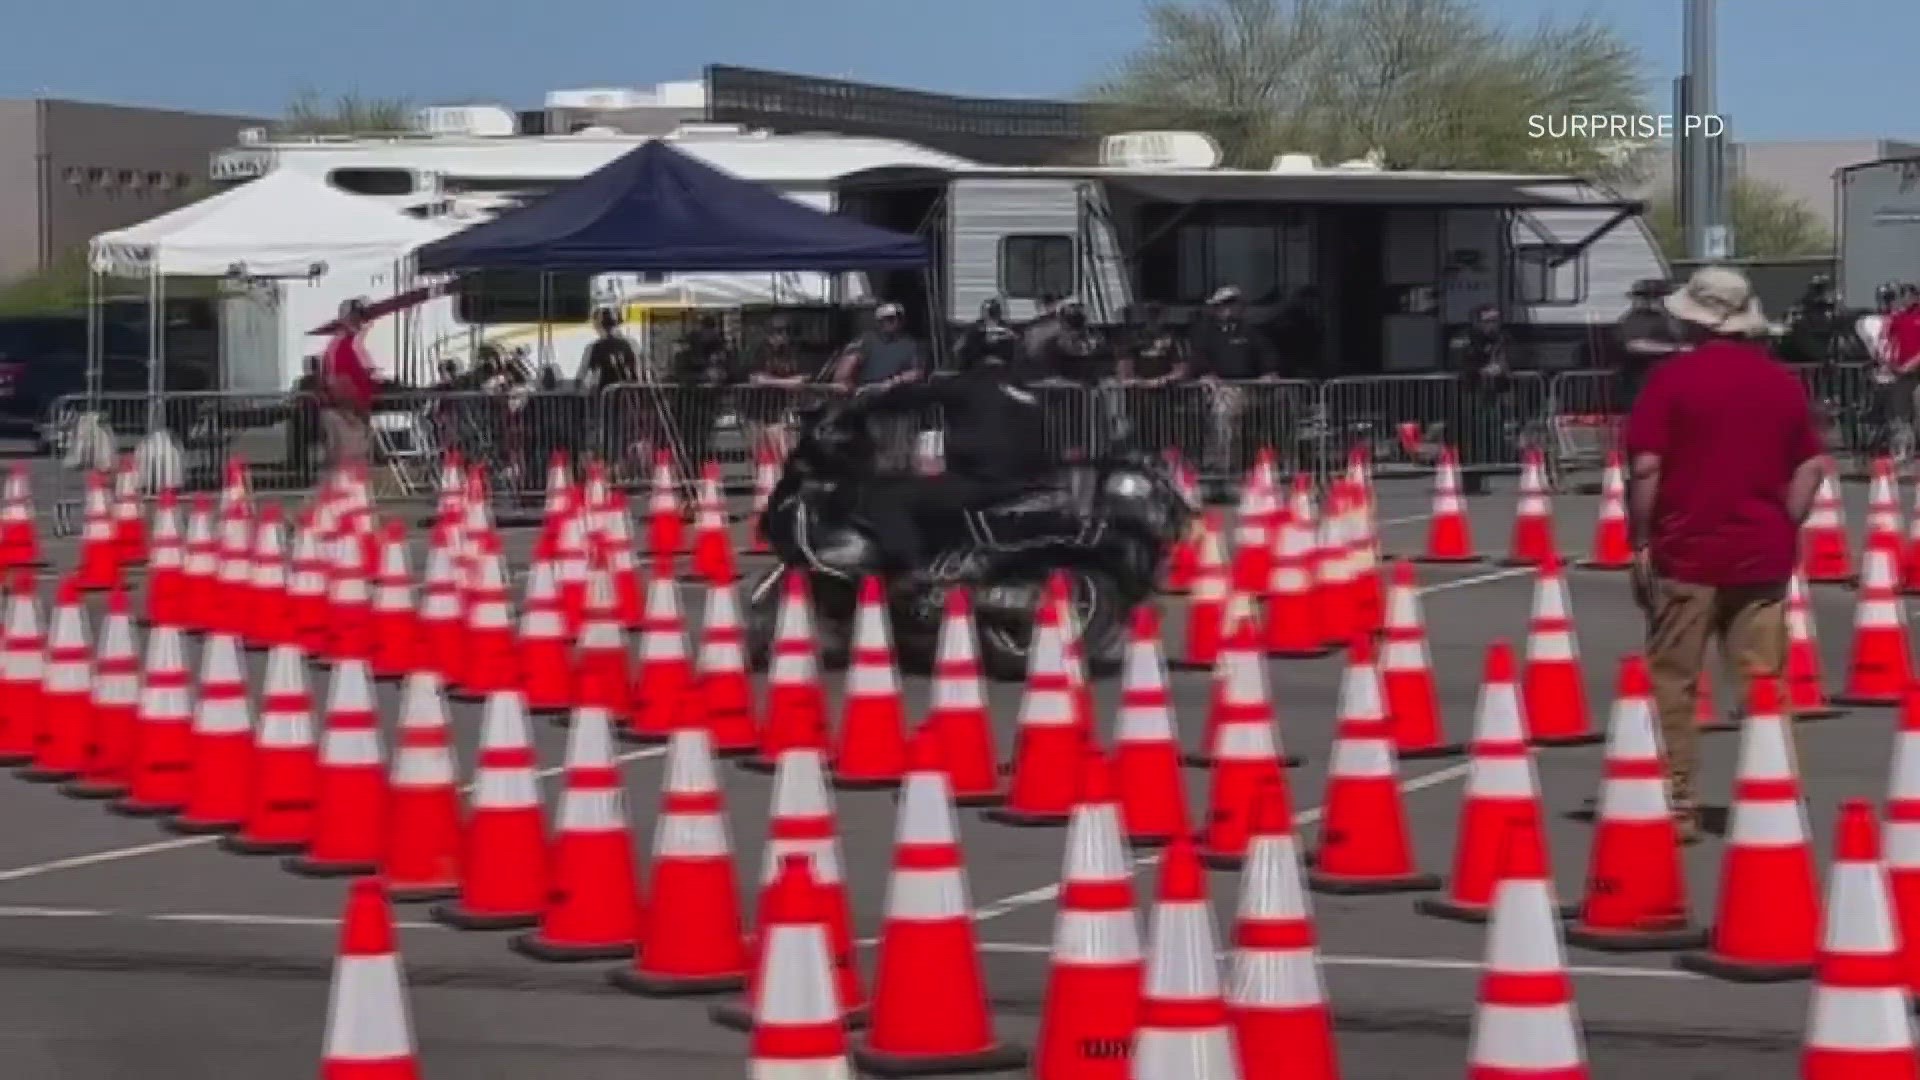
<point>1725,458</point>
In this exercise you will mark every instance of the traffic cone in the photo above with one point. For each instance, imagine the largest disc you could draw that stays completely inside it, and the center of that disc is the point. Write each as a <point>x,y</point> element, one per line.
<point>1207,606</point>
<point>799,1028</point>
<point>163,749</point>
<point>1767,925</point>
<point>286,762</point>
<point>796,703</point>
<point>958,710</point>
<point>1910,554</point>
<point>220,793</point>
<point>665,523</point>
<point>114,706</point>
<point>306,589</point>
<point>167,563</point>
<point>1406,674</point>
<point>349,602</point>
<point>442,619</point>
<point>231,592</point>
<point>270,619</point>
<point>690,937</point>
<point>503,864</point>
<point>1532,542</point>
<point>421,860</point>
<point>1502,804</point>
<point>629,581</point>
<point>1636,887</point>
<point>1553,684</point>
<point>1276,999</point>
<point>492,658</point>
<point>600,677</point>
<point>1525,1025</point>
<point>1859,1027</point>
<point>1091,1008</point>
<point>1903,833</point>
<point>1880,664</point>
<point>22,671</point>
<point>766,474</point>
<point>1612,549</point>
<point>1246,753</point>
<point>351,800</point>
<point>712,546</point>
<point>872,747</point>
<point>395,625</point>
<point>803,825</point>
<point>594,913</point>
<point>663,689</point>
<point>1253,526</point>
<point>1185,1032</point>
<point>1806,681</point>
<point>199,575</point>
<point>1342,615</point>
<point>1153,798</point>
<point>724,690</point>
<point>1233,657</point>
<point>930,1009</point>
<point>1826,556</point>
<point>1295,616</point>
<point>19,538</point>
<point>369,1033</point>
<point>99,563</point>
<point>571,562</point>
<point>1048,744</point>
<point>1449,534</point>
<point>1883,499</point>
<point>65,721</point>
<point>1365,845</point>
<point>546,651</point>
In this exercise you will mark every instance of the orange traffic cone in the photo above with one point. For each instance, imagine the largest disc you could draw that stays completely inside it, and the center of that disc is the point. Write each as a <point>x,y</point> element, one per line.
<point>799,1030</point>
<point>872,751</point>
<point>766,475</point>
<point>349,601</point>
<point>1185,1032</point>
<point>1881,664</point>
<point>1406,673</point>
<point>1277,1000</point>
<point>1554,686</point>
<point>1502,805</point>
<point>393,623</point>
<point>1049,743</point>
<point>167,564</point>
<point>442,616</point>
<point>600,676</point>
<point>1903,834</point>
<point>1826,556</point>
<point>22,671</point>
<point>115,708</point>
<point>65,708</point>
<point>1859,1027</point>
<point>220,793</point>
<point>286,762</point>
<point>1207,606</point>
<point>19,538</point>
<point>163,750</point>
<point>1449,534</point>
<point>664,519</point>
<point>350,807</point>
<point>690,938</point>
<point>1636,888</point>
<point>99,565</point>
<point>712,546</point>
<point>958,711</point>
<point>421,860</point>
<point>1532,542</point>
<point>1365,845</point>
<point>1525,1026</point>
<point>1883,499</point>
<point>1806,681</point>
<point>1153,798</point>
<point>594,913</point>
<point>571,561</point>
<point>270,619</point>
<point>1295,617</point>
<point>491,657</point>
<point>663,689</point>
<point>503,865</point>
<point>1254,521</point>
<point>1246,753</point>
<point>546,650</point>
<point>369,1034</point>
<point>199,576</point>
<point>306,588</point>
<point>796,702</point>
<point>723,688</point>
<point>231,592</point>
<point>930,1009</point>
<point>1612,549</point>
<point>1767,926</point>
<point>1092,1004</point>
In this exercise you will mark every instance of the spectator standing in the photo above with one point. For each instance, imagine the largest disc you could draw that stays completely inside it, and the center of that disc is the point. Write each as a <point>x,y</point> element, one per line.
<point>1481,358</point>
<point>703,367</point>
<point>346,390</point>
<point>989,338</point>
<point>1725,460</point>
<point>1153,367</point>
<point>774,379</point>
<point>1043,327</point>
<point>1229,354</point>
<point>1901,349</point>
<point>1641,339</point>
<point>611,359</point>
<point>877,360</point>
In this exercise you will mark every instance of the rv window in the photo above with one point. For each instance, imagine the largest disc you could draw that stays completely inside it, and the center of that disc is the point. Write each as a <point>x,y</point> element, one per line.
<point>1538,280</point>
<point>493,297</point>
<point>1036,266</point>
<point>1265,252</point>
<point>372,181</point>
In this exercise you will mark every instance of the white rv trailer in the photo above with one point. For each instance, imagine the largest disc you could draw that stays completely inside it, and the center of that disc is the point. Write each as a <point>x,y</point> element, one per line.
<point>471,177</point>
<point>1389,260</point>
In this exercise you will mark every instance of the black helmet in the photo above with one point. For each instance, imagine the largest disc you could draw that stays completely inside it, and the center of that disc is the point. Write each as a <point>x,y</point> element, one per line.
<point>1885,294</point>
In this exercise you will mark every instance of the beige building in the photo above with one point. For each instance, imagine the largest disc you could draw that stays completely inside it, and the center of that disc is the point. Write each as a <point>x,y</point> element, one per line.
<point>1803,169</point>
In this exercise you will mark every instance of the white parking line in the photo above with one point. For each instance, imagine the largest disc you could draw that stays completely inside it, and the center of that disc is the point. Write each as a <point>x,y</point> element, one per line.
<point>76,862</point>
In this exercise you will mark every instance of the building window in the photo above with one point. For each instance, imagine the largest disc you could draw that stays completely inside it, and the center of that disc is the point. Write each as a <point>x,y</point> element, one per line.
<point>1035,266</point>
<point>1549,275</point>
<point>158,181</point>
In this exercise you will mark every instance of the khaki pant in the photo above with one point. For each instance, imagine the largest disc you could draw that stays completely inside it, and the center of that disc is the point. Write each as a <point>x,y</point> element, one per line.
<point>1751,624</point>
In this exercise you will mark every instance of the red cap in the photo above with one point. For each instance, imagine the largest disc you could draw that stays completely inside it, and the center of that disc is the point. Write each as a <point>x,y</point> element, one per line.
<point>1403,575</point>
<point>872,592</point>
<point>1763,697</point>
<point>1272,814</point>
<point>69,592</point>
<point>1360,650</point>
<point>1146,623</point>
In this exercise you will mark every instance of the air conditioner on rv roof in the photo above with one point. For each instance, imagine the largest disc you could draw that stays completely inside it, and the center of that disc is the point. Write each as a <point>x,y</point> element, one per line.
<point>1294,163</point>
<point>1159,150</point>
<point>482,121</point>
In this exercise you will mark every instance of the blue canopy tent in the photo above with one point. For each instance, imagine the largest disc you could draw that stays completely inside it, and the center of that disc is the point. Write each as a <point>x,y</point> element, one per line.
<point>657,209</point>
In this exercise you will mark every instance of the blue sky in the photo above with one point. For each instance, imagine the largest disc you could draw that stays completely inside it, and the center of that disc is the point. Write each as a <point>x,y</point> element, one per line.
<point>1789,69</point>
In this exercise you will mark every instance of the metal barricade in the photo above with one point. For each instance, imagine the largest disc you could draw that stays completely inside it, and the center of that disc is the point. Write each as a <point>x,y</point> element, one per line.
<point>1854,409</point>
<point>1405,421</point>
<point>695,424</point>
<point>511,436</point>
<point>1588,412</point>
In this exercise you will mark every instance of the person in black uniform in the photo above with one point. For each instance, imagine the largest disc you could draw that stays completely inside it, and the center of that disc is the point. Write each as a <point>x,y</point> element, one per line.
<point>773,386</point>
<point>1230,355</point>
<point>611,359</point>
<point>1641,339</point>
<point>1153,368</point>
<point>1481,359</point>
<point>1074,362</point>
<point>989,336</point>
<point>702,369</point>
<point>995,448</point>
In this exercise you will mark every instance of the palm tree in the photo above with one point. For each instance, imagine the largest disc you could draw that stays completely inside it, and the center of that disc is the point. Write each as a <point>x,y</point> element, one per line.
<point>1428,83</point>
<point>349,114</point>
<point>1766,223</point>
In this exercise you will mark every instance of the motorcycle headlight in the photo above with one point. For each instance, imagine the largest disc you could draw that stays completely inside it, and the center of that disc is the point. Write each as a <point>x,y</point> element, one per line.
<point>1129,486</point>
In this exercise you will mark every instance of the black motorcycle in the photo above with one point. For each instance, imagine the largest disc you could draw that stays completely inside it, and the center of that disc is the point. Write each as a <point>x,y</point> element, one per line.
<point>1108,526</point>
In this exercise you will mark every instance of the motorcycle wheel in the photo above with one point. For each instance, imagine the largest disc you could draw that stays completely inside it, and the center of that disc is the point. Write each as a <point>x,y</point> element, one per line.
<point>831,633</point>
<point>1099,608</point>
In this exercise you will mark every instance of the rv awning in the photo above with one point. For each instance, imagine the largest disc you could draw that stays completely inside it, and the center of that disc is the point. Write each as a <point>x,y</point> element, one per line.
<point>1369,189</point>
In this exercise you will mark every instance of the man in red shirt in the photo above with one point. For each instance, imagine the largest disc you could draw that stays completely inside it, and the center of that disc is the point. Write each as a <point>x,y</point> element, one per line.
<point>1725,458</point>
<point>346,390</point>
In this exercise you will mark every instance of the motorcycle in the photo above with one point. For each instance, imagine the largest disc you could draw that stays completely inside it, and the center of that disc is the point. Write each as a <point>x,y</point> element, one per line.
<point>1107,526</point>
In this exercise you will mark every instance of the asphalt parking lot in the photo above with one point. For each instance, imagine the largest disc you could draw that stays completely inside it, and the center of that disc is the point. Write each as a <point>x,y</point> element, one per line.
<point>134,952</point>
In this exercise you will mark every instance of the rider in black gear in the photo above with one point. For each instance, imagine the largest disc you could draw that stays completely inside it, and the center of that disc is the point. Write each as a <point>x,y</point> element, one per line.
<point>990,336</point>
<point>994,448</point>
